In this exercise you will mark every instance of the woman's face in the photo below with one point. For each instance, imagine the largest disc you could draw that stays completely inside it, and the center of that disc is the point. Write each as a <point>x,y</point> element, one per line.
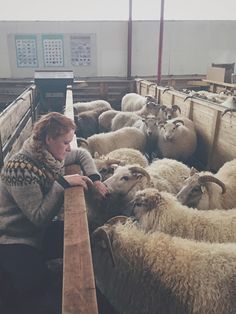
<point>59,146</point>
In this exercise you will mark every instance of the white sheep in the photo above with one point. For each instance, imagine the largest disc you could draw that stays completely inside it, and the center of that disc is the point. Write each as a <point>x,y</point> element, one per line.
<point>230,104</point>
<point>177,138</point>
<point>160,211</point>
<point>105,120</point>
<point>104,143</point>
<point>163,174</point>
<point>89,105</point>
<point>158,273</point>
<point>205,190</point>
<point>120,156</point>
<point>134,101</point>
<point>124,119</point>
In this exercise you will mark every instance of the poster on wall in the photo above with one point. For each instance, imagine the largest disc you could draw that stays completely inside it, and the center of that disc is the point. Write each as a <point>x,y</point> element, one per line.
<point>53,50</point>
<point>80,50</point>
<point>26,51</point>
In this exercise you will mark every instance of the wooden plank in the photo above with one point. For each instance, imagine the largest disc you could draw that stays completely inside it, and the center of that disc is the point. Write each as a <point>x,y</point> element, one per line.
<point>79,293</point>
<point>214,132</point>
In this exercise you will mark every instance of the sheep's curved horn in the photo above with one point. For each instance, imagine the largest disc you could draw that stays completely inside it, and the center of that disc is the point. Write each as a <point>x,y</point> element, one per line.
<point>176,107</point>
<point>178,120</point>
<point>113,161</point>
<point>187,97</point>
<point>116,219</point>
<point>193,171</point>
<point>207,178</point>
<point>81,140</point>
<point>140,170</point>
<point>102,234</point>
<point>227,110</point>
<point>163,107</point>
<point>166,89</point>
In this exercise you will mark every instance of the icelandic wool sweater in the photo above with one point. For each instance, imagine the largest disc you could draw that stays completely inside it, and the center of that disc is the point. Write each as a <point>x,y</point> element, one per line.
<point>29,196</point>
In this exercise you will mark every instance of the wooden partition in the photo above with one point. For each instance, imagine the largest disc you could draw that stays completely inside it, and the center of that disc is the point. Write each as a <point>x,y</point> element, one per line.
<point>216,134</point>
<point>16,123</point>
<point>79,294</point>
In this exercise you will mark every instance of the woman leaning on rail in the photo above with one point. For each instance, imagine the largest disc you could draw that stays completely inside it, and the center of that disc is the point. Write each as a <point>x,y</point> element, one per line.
<point>31,195</point>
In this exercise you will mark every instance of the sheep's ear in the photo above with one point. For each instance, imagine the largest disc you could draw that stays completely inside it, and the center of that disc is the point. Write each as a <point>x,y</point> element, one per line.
<point>193,171</point>
<point>203,189</point>
<point>96,155</point>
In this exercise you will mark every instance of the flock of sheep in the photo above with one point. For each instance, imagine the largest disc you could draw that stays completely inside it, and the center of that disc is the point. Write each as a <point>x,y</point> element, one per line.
<point>164,238</point>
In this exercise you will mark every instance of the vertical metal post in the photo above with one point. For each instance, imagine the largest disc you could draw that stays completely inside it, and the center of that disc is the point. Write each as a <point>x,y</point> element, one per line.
<point>129,58</point>
<point>160,43</point>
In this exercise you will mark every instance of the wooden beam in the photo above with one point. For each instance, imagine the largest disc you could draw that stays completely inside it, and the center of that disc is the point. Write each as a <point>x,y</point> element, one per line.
<point>79,293</point>
<point>213,141</point>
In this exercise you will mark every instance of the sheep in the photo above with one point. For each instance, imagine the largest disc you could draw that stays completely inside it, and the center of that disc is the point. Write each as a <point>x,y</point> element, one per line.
<point>124,119</point>
<point>167,113</point>
<point>163,174</point>
<point>230,103</point>
<point>104,143</point>
<point>177,138</point>
<point>105,120</point>
<point>94,104</point>
<point>87,122</point>
<point>205,190</point>
<point>149,126</point>
<point>160,211</point>
<point>120,156</point>
<point>158,273</point>
<point>134,101</point>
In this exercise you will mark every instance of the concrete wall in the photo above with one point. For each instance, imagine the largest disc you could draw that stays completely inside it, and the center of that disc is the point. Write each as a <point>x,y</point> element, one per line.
<point>189,46</point>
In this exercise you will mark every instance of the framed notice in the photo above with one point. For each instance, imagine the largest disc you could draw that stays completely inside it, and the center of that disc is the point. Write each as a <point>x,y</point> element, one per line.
<point>53,50</point>
<point>26,51</point>
<point>80,50</point>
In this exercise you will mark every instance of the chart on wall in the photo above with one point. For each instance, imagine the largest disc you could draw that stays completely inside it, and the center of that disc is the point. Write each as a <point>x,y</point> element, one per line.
<point>80,50</point>
<point>53,50</point>
<point>26,51</point>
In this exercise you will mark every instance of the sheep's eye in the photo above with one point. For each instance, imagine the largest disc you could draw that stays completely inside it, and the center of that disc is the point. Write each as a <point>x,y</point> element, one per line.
<point>138,204</point>
<point>125,178</point>
<point>196,189</point>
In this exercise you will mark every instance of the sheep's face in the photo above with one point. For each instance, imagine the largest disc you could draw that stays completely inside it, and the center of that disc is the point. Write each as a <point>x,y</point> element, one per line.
<point>192,192</point>
<point>145,201</point>
<point>151,124</point>
<point>122,181</point>
<point>168,130</point>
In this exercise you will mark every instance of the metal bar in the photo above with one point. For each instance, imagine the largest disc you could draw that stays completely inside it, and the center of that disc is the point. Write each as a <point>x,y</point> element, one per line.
<point>160,43</point>
<point>129,59</point>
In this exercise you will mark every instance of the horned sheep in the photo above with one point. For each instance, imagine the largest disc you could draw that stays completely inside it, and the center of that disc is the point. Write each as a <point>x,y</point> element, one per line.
<point>158,273</point>
<point>164,174</point>
<point>89,105</point>
<point>160,211</point>
<point>121,156</point>
<point>104,143</point>
<point>177,138</point>
<point>205,190</point>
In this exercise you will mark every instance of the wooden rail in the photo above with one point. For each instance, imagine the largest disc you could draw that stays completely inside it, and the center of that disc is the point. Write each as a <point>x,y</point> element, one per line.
<point>79,293</point>
<point>216,134</point>
<point>16,123</point>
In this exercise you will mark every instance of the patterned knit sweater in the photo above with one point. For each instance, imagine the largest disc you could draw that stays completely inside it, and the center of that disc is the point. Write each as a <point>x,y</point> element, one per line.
<point>30,195</point>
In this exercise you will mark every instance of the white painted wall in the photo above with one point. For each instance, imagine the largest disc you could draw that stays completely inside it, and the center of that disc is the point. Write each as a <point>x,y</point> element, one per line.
<point>189,46</point>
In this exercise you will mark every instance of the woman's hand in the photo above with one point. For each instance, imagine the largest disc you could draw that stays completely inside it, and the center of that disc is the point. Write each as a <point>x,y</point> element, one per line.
<point>101,187</point>
<point>78,180</point>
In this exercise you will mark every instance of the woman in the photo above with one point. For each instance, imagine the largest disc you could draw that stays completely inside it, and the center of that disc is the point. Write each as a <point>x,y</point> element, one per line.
<point>31,193</point>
